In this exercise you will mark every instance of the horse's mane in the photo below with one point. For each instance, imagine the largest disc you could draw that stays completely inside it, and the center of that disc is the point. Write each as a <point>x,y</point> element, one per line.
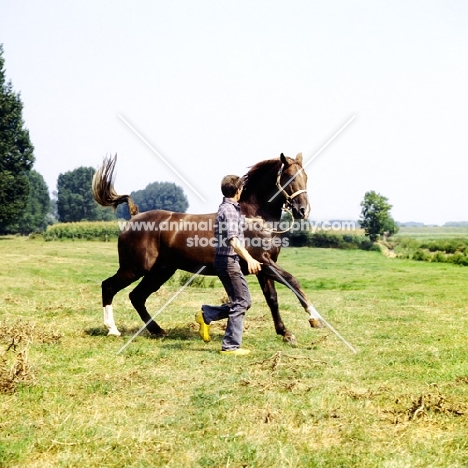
<point>255,180</point>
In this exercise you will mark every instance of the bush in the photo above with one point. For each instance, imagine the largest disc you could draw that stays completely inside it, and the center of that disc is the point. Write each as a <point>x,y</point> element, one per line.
<point>366,244</point>
<point>421,255</point>
<point>439,257</point>
<point>442,245</point>
<point>325,240</point>
<point>298,239</point>
<point>407,243</point>
<point>436,250</point>
<point>458,259</point>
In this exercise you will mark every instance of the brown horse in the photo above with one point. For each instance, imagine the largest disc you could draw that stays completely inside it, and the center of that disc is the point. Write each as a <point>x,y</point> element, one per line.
<point>154,244</point>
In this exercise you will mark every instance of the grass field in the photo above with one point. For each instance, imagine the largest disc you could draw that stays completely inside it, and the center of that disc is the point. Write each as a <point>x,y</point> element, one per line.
<point>70,400</point>
<point>434,232</point>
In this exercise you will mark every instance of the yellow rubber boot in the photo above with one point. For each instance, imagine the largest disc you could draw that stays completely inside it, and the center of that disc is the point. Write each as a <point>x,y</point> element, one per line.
<point>204,328</point>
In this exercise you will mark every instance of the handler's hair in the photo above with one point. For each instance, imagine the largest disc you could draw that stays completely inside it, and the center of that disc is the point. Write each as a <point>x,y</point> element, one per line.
<point>230,185</point>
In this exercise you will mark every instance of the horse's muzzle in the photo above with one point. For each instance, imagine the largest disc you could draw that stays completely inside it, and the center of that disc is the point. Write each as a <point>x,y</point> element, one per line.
<point>300,211</point>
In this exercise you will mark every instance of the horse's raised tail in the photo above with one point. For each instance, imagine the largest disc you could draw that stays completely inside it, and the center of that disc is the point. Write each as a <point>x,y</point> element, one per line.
<point>103,187</point>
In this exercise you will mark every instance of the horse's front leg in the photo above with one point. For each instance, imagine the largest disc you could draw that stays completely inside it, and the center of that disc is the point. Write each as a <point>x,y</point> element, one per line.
<point>276,273</point>
<point>268,288</point>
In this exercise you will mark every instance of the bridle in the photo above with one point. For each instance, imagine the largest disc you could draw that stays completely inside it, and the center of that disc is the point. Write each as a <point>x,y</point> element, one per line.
<point>288,198</point>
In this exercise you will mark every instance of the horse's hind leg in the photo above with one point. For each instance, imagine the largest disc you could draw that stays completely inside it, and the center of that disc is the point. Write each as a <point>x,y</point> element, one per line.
<point>271,297</point>
<point>147,286</point>
<point>110,287</point>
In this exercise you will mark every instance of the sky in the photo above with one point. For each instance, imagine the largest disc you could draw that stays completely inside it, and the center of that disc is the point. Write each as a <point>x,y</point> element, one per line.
<point>188,91</point>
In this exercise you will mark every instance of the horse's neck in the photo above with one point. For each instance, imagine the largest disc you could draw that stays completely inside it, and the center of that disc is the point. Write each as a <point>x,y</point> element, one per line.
<point>268,211</point>
<point>256,201</point>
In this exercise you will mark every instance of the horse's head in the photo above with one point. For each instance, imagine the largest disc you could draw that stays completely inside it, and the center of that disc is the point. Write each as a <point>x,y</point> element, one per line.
<point>292,184</point>
<point>273,183</point>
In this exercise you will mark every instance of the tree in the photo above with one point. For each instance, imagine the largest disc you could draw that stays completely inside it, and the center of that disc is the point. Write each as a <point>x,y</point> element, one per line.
<point>157,196</point>
<point>75,201</point>
<point>36,214</point>
<point>375,216</point>
<point>16,153</point>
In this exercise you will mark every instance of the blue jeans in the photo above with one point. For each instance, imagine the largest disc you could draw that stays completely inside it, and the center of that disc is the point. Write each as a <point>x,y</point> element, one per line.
<point>230,274</point>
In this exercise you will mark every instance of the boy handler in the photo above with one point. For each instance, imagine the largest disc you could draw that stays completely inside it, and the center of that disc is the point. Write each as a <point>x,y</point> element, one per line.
<point>230,246</point>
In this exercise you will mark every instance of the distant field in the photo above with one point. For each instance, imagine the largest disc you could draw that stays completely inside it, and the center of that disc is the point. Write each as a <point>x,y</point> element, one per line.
<point>433,232</point>
<point>70,401</point>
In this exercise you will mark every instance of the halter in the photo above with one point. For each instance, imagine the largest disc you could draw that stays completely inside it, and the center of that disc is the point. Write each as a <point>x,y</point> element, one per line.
<point>287,204</point>
<point>288,197</point>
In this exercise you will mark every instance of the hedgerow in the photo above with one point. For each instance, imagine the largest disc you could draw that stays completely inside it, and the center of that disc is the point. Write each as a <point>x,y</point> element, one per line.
<point>436,251</point>
<point>86,230</point>
<point>330,240</point>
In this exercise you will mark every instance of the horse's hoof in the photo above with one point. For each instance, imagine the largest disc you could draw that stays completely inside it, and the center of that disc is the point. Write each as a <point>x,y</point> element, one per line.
<point>113,332</point>
<point>159,334</point>
<point>316,323</point>
<point>290,338</point>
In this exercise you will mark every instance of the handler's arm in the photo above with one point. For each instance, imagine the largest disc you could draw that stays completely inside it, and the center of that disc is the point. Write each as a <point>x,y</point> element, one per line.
<point>253,265</point>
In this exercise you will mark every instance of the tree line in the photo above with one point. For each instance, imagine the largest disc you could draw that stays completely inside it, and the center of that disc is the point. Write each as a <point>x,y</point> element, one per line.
<point>74,202</point>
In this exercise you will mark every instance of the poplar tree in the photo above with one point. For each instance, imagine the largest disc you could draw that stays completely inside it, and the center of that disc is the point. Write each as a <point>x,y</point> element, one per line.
<point>16,152</point>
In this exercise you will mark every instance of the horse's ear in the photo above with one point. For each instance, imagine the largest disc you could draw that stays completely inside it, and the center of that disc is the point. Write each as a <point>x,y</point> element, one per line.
<point>283,159</point>
<point>299,158</point>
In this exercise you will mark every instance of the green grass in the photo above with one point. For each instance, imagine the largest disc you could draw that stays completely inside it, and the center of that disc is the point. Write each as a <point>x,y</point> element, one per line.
<point>401,401</point>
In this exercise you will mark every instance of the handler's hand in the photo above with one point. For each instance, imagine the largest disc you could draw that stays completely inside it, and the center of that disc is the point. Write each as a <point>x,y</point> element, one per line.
<point>254,266</point>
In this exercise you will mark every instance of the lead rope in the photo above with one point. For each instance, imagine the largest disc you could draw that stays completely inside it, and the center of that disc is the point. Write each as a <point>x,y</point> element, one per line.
<point>290,226</point>
<point>264,225</point>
